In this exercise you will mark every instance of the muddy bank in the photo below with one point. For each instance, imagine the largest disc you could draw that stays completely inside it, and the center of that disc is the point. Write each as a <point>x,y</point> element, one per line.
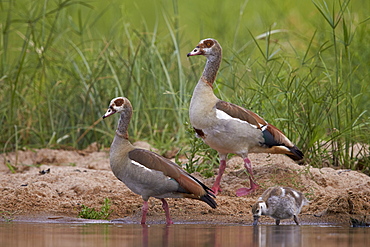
<point>84,177</point>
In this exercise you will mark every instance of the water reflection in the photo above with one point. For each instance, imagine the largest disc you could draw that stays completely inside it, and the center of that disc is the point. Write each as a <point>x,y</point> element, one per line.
<point>277,235</point>
<point>42,234</point>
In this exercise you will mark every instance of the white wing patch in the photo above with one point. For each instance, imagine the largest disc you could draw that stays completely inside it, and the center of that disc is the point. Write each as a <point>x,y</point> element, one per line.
<point>282,192</point>
<point>223,115</point>
<point>140,165</point>
<point>296,194</point>
<point>145,168</point>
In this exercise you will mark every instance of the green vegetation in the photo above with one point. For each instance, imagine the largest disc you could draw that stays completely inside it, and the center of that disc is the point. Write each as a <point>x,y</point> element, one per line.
<point>7,216</point>
<point>91,213</point>
<point>302,66</point>
<point>200,157</point>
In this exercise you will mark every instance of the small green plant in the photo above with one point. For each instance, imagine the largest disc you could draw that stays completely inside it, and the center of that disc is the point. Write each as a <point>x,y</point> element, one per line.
<point>91,213</point>
<point>11,168</point>
<point>200,157</point>
<point>7,216</point>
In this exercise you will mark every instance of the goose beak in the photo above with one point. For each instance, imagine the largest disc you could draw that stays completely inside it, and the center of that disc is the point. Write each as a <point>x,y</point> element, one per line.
<point>195,52</point>
<point>109,112</point>
<point>255,220</point>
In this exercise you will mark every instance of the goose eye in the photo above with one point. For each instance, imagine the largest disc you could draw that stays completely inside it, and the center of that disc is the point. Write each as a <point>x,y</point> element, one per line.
<point>208,43</point>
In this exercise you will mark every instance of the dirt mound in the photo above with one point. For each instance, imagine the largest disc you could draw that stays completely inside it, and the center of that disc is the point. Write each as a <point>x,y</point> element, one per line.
<point>79,178</point>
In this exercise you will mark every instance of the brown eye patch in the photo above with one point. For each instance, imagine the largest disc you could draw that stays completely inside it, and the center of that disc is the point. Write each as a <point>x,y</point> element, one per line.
<point>119,102</point>
<point>208,43</point>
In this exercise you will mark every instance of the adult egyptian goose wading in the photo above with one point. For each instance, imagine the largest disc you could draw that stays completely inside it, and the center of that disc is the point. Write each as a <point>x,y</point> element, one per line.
<point>149,174</point>
<point>229,128</point>
<point>279,203</point>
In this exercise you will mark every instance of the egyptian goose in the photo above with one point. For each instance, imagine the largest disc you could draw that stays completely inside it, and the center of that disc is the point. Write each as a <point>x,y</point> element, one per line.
<point>279,203</point>
<point>149,174</point>
<point>229,128</point>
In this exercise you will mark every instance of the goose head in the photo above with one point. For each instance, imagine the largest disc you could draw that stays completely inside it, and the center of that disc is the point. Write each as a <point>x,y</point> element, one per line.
<point>257,211</point>
<point>119,104</point>
<point>207,47</point>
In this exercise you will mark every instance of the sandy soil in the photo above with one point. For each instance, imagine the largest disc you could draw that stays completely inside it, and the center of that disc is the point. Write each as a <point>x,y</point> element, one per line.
<point>84,177</point>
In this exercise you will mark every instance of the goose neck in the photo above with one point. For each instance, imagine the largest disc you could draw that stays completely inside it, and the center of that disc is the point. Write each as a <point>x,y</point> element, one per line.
<point>211,69</point>
<point>123,122</point>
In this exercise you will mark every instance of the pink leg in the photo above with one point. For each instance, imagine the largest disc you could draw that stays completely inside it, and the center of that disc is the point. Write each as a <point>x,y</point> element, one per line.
<point>167,212</point>
<point>216,186</point>
<point>144,210</point>
<point>145,241</point>
<point>254,186</point>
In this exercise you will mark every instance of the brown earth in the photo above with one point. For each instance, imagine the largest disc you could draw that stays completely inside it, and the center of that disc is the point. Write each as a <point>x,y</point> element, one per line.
<point>79,178</point>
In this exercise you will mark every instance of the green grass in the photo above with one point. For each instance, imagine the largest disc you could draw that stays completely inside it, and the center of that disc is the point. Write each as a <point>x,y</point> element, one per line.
<point>92,213</point>
<point>7,216</point>
<point>199,156</point>
<point>303,67</point>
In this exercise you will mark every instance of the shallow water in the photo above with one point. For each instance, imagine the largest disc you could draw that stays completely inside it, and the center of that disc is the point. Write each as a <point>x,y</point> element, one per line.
<point>118,234</point>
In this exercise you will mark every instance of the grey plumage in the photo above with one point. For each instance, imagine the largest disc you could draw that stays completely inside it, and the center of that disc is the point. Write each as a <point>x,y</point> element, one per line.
<point>279,203</point>
<point>149,174</point>
<point>229,128</point>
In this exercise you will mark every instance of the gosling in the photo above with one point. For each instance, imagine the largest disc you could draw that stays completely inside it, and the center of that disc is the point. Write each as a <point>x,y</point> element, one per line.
<point>279,203</point>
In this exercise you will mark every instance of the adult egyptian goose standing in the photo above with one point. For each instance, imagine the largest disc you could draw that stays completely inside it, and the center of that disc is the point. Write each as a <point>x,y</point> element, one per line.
<point>279,203</point>
<point>229,128</point>
<point>146,173</point>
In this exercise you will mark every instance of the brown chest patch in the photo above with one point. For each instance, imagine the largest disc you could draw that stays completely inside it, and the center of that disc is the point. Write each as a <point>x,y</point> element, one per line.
<point>200,133</point>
